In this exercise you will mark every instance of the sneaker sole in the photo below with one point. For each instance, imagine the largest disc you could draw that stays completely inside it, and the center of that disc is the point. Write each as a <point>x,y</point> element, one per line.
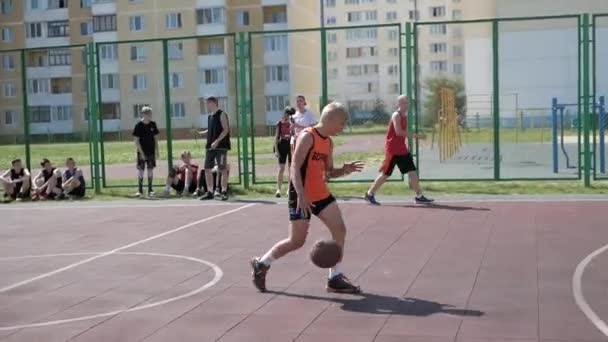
<point>332,290</point>
<point>252,264</point>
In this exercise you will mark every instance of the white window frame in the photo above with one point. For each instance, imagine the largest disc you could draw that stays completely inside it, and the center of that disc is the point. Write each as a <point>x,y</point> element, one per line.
<point>139,82</point>
<point>9,90</point>
<point>275,42</point>
<point>12,115</point>
<point>212,76</point>
<point>276,103</point>
<point>243,18</point>
<point>173,21</point>
<point>137,23</point>
<point>391,16</point>
<point>176,50</point>
<point>8,62</point>
<point>276,73</point>
<point>178,110</point>
<point>110,81</point>
<point>177,80</point>
<point>108,52</point>
<point>6,7</point>
<point>138,53</point>
<point>210,16</point>
<point>7,34</point>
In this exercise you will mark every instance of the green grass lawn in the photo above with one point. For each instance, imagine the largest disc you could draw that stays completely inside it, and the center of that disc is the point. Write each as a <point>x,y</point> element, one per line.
<point>124,152</point>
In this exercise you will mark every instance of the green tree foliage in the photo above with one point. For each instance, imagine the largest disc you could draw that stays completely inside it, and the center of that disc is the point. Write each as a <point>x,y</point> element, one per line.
<point>432,104</point>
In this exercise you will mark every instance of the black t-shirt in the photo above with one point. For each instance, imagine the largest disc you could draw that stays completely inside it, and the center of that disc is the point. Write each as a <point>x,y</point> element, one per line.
<point>146,134</point>
<point>17,175</point>
<point>214,129</point>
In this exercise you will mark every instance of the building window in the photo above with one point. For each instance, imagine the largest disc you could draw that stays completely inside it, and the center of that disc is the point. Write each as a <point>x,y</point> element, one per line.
<point>439,29</point>
<point>84,3</point>
<point>333,74</point>
<point>32,4</point>
<point>60,57</point>
<point>242,18</point>
<point>358,34</point>
<point>438,47</point>
<point>139,53</point>
<point>393,34</point>
<point>391,1</point>
<point>104,23</point>
<point>331,20</point>
<point>439,66</point>
<point>8,62</point>
<point>86,28</point>
<point>437,11</point>
<point>40,114</point>
<point>393,70</point>
<point>456,14</point>
<point>276,103</point>
<point>393,52</point>
<point>393,88</point>
<point>6,34</point>
<point>6,7</point>
<point>55,4</point>
<point>205,16</point>
<point>353,17</point>
<point>176,50</point>
<point>275,42</point>
<point>212,76</point>
<point>110,111</point>
<point>332,38</point>
<point>178,110</point>
<point>9,89</point>
<point>177,80</point>
<point>457,50</point>
<point>351,2</point>
<point>414,15</point>
<point>140,82</point>
<point>356,52</point>
<point>108,52</point>
<point>9,118</point>
<point>330,3</point>
<point>38,86</point>
<point>61,113</point>
<point>61,85</point>
<point>137,23</point>
<point>391,16</point>
<point>458,69</point>
<point>173,21</point>
<point>109,81</point>
<point>277,18</point>
<point>277,73</point>
<point>58,28</point>
<point>332,56</point>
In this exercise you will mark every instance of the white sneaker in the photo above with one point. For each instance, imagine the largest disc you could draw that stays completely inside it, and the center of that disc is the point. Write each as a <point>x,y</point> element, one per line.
<point>138,194</point>
<point>151,194</point>
<point>277,194</point>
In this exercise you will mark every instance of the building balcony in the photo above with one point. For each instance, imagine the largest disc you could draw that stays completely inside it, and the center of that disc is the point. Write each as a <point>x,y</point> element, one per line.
<point>209,29</point>
<point>276,88</point>
<point>108,66</point>
<point>215,89</point>
<point>48,99</point>
<point>113,125</point>
<point>212,60</point>
<point>102,7</point>
<point>53,127</point>
<point>110,95</point>
<point>275,26</point>
<point>49,71</point>
<point>210,3</point>
<point>276,57</point>
<point>46,41</point>
<point>274,2</point>
<point>44,15</point>
<point>108,36</point>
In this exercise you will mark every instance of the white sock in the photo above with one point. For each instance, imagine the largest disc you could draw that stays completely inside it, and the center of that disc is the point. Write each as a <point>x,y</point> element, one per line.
<point>334,271</point>
<point>267,259</point>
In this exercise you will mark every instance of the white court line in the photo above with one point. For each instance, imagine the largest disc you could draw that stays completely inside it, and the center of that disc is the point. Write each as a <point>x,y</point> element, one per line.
<point>218,274</point>
<point>133,244</point>
<point>577,289</point>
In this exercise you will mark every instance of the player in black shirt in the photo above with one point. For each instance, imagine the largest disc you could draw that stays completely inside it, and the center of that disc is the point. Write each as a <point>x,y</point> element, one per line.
<point>218,145</point>
<point>16,181</point>
<point>47,184</point>
<point>146,142</point>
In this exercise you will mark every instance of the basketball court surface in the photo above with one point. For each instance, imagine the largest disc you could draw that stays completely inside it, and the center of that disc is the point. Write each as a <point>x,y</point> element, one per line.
<point>475,270</point>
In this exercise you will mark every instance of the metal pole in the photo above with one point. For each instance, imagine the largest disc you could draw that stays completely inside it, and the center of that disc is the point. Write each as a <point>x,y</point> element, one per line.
<point>243,104</point>
<point>496,102</point>
<point>26,116</point>
<point>102,151</point>
<point>586,100</point>
<point>554,133</point>
<point>408,75</point>
<point>602,123</point>
<point>94,115</point>
<point>168,109</point>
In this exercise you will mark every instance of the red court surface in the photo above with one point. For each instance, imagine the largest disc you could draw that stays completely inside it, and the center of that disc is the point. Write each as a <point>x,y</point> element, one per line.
<point>480,271</point>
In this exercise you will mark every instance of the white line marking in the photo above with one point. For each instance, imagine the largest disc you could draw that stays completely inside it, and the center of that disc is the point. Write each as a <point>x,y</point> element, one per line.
<point>216,278</point>
<point>133,244</point>
<point>577,289</point>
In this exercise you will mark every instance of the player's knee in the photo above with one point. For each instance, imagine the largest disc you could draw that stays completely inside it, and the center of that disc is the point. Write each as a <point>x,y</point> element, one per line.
<point>298,242</point>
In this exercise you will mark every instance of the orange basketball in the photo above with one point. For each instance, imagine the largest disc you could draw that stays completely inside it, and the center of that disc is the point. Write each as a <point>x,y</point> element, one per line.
<point>325,253</point>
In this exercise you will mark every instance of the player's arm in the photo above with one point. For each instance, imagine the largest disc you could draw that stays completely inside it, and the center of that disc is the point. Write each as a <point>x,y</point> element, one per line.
<point>277,137</point>
<point>303,146</point>
<point>38,176</point>
<point>346,169</point>
<point>26,175</point>
<point>6,177</point>
<point>225,129</point>
<point>397,125</point>
<point>156,132</point>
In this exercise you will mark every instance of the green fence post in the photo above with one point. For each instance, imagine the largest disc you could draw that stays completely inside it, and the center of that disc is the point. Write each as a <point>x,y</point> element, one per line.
<point>415,84</point>
<point>168,109</point>
<point>586,98</point>
<point>93,113</point>
<point>26,116</point>
<point>242,84</point>
<point>102,152</point>
<point>496,100</point>
<point>324,86</point>
<point>408,76</point>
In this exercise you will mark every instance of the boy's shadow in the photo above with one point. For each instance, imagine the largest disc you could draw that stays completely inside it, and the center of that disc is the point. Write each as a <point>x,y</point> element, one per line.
<point>383,305</point>
<point>438,206</point>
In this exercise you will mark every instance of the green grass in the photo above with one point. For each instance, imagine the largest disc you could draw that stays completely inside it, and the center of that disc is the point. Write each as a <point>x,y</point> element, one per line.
<point>124,152</point>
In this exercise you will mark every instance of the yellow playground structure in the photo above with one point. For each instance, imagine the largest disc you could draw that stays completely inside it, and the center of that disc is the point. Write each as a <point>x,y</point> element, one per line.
<point>447,125</point>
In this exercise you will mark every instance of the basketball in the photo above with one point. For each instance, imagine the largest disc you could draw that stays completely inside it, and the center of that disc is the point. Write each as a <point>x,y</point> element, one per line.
<point>325,253</point>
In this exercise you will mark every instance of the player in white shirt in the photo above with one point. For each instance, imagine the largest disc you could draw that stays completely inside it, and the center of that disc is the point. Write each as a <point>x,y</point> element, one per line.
<point>303,118</point>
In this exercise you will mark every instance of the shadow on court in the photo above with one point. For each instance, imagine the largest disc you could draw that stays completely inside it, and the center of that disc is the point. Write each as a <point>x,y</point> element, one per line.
<point>385,305</point>
<point>437,206</point>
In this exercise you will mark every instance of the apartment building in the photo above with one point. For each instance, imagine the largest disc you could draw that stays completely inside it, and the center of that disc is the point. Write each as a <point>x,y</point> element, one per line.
<point>132,72</point>
<point>363,67</point>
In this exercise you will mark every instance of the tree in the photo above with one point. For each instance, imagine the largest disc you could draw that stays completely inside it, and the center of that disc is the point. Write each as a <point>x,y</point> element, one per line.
<point>432,104</point>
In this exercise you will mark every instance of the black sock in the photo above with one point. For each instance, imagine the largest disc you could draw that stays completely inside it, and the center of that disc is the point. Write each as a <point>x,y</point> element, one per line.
<point>149,184</point>
<point>140,184</point>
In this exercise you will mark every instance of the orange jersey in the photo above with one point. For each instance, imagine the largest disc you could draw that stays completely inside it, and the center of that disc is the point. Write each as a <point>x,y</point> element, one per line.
<point>314,168</point>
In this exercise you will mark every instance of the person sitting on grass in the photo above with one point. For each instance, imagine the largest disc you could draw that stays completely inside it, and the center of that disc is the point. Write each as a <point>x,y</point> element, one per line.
<point>183,177</point>
<point>74,185</point>
<point>16,182</point>
<point>47,184</point>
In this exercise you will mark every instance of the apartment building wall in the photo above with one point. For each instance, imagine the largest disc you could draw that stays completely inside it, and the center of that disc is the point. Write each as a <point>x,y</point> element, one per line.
<point>11,37</point>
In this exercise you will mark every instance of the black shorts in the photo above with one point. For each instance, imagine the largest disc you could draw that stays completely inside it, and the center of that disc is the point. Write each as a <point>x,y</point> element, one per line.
<point>216,157</point>
<point>148,161</point>
<point>179,187</point>
<point>284,151</point>
<point>405,163</point>
<point>317,207</point>
<point>78,192</point>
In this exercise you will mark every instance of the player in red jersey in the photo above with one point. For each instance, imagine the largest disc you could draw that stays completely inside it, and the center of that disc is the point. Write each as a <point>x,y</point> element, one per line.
<point>396,153</point>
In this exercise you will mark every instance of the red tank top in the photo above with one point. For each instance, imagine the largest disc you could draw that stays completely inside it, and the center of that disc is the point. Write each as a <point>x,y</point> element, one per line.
<point>395,144</point>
